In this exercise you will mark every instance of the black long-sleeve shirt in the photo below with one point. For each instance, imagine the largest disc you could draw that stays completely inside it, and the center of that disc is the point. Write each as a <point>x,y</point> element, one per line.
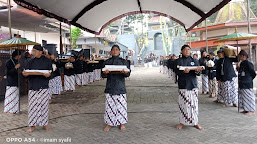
<point>90,67</point>
<point>212,70</point>
<point>78,66</point>
<point>57,71</point>
<point>85,67</point>
<point>11,72</point>
<point>202,62</point>
<point>37,82</point>
<point>225,70</point>
<point>246,75</point>
<point>116,82</point>
<point>187,80</point>
<point>70,71</point>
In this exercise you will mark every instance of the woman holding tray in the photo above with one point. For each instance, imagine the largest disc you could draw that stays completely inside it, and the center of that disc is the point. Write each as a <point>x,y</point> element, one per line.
<point>115,91</point>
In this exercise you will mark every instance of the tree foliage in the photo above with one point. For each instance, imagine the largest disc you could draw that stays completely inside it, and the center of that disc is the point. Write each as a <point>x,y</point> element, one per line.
<point>75,33</point>
<point>253,6</point>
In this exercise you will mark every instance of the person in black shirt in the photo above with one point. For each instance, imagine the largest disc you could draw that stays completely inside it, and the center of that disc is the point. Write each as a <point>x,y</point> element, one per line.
<point>39,94</point>
<point>69,74</point>
<point>195,56</point>
<point>226,78</point>
<point>11,101</point>
<point>78,66</point>
<point>97,71</point>
<point>246,75</point>
<point>161,64</point>
<point>170,67</point>
<point>85,73</point>
<point>202,62</point>
<point>55,83</point>
<point>188,89</point>
<point>129,63</point>
<point>115,92</point>
<point>213,84</point>
<point>90,71</point>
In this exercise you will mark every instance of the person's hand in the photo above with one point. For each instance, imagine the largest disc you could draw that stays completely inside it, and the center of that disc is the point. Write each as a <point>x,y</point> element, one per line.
<point>17,66</point>
<point>199,68</point>
<point>25,74</point>
<point>219,82</point>
<point>235,51</point>
<point>204,61</point>
<point>238,64</point>
<point>123,72</point>
<point>5,77</point>
<point>46,75</point>
<point>187,70</point>
<point>106,72</point>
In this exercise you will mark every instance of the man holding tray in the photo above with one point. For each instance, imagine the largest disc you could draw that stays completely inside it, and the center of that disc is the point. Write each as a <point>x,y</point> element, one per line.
<point>69,74</point>
<point>115,92</point>
<point>188,89</point>
<point>39,94</point>
<point>78,66</point>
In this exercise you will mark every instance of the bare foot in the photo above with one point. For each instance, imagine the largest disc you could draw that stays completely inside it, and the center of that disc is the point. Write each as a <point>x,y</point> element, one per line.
<point>107,128</point>
<point>198,127</point>
<point>73,90</point>
<point>10,113</point>
<point>122,127</point>
<point>210,96</point>
<point>47,128</point>
<point>216,101</point>
<point>50,101</point>
<point>243,112</point>
<point>223,105</point>
<point>180,126</point>
<point>31,129</point>
<point>64,91</point>
<point>249,113</point>
<point>234,105</point>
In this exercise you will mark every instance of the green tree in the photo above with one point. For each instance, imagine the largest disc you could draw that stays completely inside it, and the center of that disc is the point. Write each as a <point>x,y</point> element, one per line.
<point>75,33</point>
<point>253,5</point>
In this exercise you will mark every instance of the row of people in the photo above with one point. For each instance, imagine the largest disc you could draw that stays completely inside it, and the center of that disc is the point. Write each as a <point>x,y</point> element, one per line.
<point>42,87</point>
<point>150,60</point>
<point>221,78</point>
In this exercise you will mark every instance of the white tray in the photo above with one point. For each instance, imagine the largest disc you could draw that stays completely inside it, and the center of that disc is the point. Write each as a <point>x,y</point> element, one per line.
<point>189,67</point>
<point>115,68</point>
<point>37,72</point>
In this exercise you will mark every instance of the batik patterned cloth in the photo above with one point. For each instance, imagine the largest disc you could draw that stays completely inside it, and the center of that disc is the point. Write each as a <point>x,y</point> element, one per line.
<point>188,106</point>
<point>55,85</point>
<point>38,107</point>
<point>246,99</point>
<point>115,109</point>
<point>205,86</point>
<point>85,79</point>
<point>11,101</point>
<point>213,87</point>
<point>79,79</point>
<point>69,82</point>
<point>229,92</point>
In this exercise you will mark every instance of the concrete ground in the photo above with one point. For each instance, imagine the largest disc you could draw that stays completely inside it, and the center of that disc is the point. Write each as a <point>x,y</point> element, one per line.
<point>77,118</point>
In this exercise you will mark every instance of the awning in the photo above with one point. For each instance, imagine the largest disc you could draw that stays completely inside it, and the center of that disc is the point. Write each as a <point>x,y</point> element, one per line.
<point>94,15</point>
<point>26,20</point>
